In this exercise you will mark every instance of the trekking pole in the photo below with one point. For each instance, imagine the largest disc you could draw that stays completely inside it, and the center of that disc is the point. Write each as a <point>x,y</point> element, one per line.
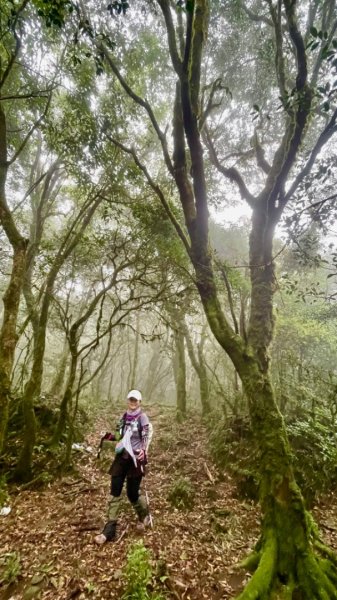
<point>147,500</point>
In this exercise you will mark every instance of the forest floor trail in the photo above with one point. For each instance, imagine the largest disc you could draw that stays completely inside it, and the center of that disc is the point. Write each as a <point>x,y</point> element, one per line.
<point>53,529</point>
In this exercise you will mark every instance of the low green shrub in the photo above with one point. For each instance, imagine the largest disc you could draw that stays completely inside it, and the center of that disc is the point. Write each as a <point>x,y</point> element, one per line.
<point>4,495</point>
<point>181,494</point>
<point>138,575</point>
<point>10,567</point>
<point>315,455</point>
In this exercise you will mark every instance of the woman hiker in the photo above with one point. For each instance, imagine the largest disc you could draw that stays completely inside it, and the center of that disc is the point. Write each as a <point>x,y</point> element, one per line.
<point>134,435</point>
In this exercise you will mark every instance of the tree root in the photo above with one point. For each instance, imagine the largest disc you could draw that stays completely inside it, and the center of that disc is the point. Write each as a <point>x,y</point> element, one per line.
<point>313,581</point>
<point>251,562</point>
<point>261,582</point>
<point>311,577</point>
<point>324,550</point>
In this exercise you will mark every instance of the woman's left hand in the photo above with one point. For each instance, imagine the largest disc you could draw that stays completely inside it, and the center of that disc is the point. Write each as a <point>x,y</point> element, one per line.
<point>141,455</point>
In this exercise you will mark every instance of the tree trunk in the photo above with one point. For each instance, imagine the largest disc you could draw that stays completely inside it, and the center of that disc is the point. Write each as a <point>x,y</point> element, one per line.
<point>61,424</point>
<point>155,365</point>
<point>203,383</point>
<point>11,299</point>
<point>199,367</point>
<point>179,369</point>
<point>8,335</point>
<point>55,389</point>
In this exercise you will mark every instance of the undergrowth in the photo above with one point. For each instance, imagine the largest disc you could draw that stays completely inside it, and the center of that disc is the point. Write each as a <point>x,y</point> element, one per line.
<point>181,494</point>
<point>4,495</point>
<point>10,567</point>
<point>138,573</point>
<point>314,446</point>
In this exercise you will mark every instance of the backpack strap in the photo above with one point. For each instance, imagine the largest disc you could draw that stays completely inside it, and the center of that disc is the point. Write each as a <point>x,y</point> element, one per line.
<point>139,425</point>
<point>123,423</point>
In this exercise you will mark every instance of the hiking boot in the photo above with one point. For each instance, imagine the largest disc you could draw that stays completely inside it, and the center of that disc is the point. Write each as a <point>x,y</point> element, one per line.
<point>100,539</point>
<point>108,534</point>
<point>142,525</point>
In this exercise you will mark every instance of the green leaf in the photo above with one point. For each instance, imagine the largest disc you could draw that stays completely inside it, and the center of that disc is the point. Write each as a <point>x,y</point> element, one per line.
<point>314,45</point>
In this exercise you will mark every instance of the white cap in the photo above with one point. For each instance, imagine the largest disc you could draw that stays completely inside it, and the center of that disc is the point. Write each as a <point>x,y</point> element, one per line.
<point>134,394</point>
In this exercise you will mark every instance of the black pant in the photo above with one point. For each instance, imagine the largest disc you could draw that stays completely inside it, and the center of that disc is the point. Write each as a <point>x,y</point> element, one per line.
<point>121,469</point>
<point>132,486</point>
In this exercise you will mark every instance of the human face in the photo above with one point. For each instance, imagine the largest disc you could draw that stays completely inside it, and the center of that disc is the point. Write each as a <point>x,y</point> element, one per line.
<point>133,403</point>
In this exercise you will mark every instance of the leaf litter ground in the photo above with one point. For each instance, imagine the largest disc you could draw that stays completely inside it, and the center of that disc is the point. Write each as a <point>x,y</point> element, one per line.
<point>52,530</point>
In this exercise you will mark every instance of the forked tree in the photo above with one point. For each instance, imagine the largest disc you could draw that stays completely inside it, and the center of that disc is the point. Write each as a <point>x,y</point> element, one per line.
<point>290,559</point>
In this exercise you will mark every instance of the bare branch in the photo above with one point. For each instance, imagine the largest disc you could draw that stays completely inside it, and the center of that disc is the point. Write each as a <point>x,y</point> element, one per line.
<point>286,154</point>
<point>254,17</point>
<point>229,294</point>
<point>231,173</point>
<point>328,132</point>
<point>216,85</point>
<point>30,133</point>
<point>39,94</point>
<point>260,154</point>
<point>171,36</point>
<point>156,189</point>
<point>17,45</point>
<point>316,205</point>
<point>279,58</point>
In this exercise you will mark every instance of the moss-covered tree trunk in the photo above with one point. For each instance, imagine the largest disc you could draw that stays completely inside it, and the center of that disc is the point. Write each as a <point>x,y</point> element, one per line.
<point>8,334</point>
<point>32,390</point>
<point>11,299</point>
<point>73,340</point>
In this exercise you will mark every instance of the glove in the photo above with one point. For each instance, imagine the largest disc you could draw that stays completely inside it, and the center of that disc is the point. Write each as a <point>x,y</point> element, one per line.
<point>141,456</point>
<point>108,436</point>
